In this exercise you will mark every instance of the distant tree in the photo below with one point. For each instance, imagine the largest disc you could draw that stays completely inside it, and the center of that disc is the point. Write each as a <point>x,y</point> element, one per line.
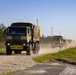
<point>44,39</point>
<point>48,38</point>
<point>43,36</point>
<point>2,35</point>
<point>2,27</point>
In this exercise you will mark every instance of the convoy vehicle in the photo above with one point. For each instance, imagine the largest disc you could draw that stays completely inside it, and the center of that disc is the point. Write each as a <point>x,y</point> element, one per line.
<point>57,41</point>
<point>22,36</point>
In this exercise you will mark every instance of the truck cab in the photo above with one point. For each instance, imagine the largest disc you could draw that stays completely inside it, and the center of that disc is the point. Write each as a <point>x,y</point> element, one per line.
<point>21,37</point>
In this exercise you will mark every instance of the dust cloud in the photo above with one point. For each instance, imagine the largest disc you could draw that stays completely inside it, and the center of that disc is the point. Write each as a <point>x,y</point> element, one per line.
<point>46,48</point>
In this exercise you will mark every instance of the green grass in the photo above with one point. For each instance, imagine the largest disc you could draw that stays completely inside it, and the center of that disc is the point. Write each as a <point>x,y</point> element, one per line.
<point>2,50</point>
<point>68,54</point>
<point>9,73</point>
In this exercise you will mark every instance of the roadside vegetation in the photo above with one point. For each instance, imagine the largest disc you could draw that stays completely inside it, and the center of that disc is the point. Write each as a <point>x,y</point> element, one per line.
<point>9,73</point>
<point>2,35</point>
<point>2,50</point>
<point>68,54</point>
<point>2,38</point>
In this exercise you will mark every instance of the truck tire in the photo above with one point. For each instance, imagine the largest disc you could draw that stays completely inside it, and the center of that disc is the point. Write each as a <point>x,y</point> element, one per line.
<point>35,51</point>
<point>53,46</point>
<point>29,50</point>
<point>38,47</point>
<point>61,46</point>
<point>8,51</point>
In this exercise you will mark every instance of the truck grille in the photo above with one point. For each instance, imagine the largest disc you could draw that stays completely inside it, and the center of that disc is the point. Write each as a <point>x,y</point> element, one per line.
<point>16,37</point>
<point>16,42</point>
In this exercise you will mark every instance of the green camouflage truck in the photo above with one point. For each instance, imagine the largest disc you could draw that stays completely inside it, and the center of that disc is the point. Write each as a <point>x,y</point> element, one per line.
<point>22,36</point>
<point>57,41</point>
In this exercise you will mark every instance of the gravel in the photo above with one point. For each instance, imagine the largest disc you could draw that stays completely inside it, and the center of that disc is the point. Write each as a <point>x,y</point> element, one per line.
<point>15,63</point>
<point>9,63</point>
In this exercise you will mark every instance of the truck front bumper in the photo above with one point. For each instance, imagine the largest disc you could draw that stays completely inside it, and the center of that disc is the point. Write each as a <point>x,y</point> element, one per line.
<point>17,46</point>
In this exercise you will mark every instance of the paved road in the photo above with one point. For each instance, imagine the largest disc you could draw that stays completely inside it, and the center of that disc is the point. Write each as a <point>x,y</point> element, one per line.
<point>49,68</point>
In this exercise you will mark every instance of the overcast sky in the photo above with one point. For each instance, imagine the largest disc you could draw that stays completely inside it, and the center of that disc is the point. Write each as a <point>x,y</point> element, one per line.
<point>59,14</point>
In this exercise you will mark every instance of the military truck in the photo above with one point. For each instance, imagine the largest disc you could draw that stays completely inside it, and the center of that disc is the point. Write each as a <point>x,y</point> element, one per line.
<point>57,41</point>
<point>22,37</point>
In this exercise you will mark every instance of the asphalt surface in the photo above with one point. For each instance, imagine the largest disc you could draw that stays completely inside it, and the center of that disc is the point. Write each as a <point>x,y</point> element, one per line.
<point>49,68</point>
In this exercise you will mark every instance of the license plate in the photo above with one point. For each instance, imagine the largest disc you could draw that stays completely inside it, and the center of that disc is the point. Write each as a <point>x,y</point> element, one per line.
<point>16,47</point>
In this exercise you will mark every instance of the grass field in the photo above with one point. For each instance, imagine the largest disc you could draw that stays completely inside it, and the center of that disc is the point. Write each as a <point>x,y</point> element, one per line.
<point>68,54</point>
<point>2,50</point>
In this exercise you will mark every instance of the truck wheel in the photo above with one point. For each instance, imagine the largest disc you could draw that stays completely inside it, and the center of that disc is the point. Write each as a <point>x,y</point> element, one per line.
<point>60,46</point>
<point>29,50</point>
<point>38,47</point>
<point>53,47</point>
<point>8,51</point>
<point>35,51</point>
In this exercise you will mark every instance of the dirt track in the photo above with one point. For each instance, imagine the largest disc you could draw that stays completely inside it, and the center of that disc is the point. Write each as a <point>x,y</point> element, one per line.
<point>22,61</point>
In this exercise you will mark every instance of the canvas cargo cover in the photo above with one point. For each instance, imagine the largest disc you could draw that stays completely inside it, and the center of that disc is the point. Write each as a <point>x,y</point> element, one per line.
<point>37,32</point>
<point>20,24</point>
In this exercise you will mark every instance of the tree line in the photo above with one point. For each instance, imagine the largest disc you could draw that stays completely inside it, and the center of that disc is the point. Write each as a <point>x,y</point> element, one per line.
<point>2,35</point>
<point>45,39</point>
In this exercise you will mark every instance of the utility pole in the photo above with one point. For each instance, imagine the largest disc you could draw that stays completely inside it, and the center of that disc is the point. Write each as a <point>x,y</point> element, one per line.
<point>51,34</point>
<point>52,31</point>
<point>37,21</point>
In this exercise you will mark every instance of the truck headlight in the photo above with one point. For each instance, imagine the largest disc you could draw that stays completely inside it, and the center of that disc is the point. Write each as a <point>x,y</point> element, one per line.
<point>8,44</point>
<point>9,37</point>
<point>23,37</point>
<point>24,44</point>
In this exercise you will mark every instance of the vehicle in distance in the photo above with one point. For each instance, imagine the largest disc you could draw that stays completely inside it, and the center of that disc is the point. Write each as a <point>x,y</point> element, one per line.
<point>57,41</point>
<point>22,36</point>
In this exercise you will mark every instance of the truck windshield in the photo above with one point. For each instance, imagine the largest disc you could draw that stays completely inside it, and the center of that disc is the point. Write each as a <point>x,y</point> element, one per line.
<point>16,31</point>
<point>55,39</point>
